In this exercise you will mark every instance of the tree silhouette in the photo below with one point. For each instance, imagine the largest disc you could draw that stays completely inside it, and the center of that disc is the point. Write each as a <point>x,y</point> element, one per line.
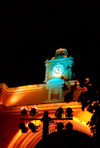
<point>90,100</point>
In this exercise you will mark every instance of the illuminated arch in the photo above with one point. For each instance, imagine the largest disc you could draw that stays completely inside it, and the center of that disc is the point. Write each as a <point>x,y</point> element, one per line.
<point>29,139</point>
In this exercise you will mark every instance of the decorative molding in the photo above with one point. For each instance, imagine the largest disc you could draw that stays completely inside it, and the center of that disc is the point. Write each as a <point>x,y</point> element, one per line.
<point>4,87</point>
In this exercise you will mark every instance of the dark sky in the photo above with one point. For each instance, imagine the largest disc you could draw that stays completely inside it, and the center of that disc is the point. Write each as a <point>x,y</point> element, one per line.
<point>33,30</point>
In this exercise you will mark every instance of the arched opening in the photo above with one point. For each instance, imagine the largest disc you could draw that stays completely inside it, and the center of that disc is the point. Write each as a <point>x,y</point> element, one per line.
<point>66,139</point>
<point>30,140</point>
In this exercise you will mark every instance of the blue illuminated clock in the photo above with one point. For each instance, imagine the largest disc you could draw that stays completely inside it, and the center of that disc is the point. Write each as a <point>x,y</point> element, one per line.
<point>58,69</point>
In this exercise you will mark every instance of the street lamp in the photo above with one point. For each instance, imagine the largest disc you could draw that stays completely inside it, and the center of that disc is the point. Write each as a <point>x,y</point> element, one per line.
<point>24,111</point>
<point>32,127</point>
<point>69,114</point>
<point>33,111</point>
<point>23,128</point>
<point>59,112</point>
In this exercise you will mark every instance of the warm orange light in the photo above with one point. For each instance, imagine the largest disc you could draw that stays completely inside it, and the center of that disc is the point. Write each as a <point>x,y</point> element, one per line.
<point>19,136</point>
<point>15,98</point>
<point>84,115</point>
<point>31,139</point>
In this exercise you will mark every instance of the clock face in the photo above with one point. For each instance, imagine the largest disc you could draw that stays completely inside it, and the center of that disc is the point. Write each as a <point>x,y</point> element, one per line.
<point>58,69</point>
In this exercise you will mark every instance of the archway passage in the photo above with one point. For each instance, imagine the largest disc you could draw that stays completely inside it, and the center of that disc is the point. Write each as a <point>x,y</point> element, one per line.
<point>30,140</point>
<point>11,119</point>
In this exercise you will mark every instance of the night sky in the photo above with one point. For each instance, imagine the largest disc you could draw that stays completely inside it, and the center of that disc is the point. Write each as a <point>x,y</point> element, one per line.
<point>33,30</point>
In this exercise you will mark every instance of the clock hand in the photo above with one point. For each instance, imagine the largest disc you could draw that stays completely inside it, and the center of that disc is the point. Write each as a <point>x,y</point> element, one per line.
<point>58,69</point>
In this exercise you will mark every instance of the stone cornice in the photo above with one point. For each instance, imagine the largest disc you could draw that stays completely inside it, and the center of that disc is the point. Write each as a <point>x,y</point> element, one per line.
<point>58,60</point>
<point>4,87</point>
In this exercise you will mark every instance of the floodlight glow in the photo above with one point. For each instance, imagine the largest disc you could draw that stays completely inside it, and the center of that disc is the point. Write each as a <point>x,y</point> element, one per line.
<point>24,108</point>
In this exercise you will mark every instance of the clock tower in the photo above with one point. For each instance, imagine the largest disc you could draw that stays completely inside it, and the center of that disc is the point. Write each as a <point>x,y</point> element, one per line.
<point>58,71</point>
<point>59,66</point>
